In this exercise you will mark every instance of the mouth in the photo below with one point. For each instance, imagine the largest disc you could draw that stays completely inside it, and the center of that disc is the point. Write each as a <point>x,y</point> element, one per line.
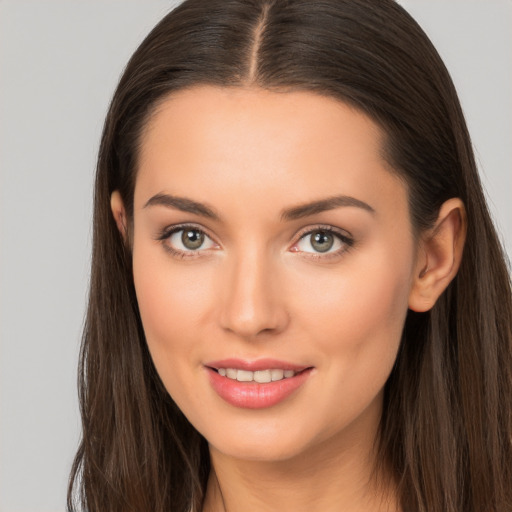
<point>256,385</point>
<point>259,376</point>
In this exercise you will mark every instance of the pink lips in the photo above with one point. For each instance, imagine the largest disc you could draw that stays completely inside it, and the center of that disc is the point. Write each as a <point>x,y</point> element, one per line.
<point>253,395</point>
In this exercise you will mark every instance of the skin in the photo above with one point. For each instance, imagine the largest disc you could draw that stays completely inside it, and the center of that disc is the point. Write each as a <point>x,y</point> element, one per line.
<point>258,288</point>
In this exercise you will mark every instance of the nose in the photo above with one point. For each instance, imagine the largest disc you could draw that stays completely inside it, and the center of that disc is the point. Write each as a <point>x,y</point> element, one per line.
<point>252,302</point>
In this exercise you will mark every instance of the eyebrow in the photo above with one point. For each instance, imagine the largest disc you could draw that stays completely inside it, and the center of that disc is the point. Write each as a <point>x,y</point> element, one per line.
<point>296,212</point>
<point>184,204</point>
<point>330,203</point>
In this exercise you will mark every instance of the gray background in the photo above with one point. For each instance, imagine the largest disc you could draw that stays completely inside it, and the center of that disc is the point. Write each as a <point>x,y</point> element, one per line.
<point>59,63</point>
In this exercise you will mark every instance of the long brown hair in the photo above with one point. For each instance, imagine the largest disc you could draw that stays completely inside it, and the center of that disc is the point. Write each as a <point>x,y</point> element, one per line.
<point>446,429</point>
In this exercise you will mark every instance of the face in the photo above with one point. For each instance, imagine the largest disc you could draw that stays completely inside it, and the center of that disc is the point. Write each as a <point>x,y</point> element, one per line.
<point>273,258</point>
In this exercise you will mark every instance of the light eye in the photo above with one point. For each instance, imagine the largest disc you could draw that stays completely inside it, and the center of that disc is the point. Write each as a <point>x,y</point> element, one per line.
<point>321,241</point>
<point>189,239</point>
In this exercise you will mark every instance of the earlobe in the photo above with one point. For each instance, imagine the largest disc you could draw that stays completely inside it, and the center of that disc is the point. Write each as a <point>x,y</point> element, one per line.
<point>119,213</point>
<point>441,254</point>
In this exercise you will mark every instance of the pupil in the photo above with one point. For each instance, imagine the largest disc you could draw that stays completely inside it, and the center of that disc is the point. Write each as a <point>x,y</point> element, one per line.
<point>192,239</point>
<point>322,241</point>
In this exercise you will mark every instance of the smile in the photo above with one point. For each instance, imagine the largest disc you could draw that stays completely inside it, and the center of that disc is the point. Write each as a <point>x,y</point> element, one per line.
<point>260,376</point>
<point>256,385</point>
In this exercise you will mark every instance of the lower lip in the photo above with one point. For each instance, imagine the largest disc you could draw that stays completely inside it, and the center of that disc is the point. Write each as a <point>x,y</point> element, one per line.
<point>253,395</point>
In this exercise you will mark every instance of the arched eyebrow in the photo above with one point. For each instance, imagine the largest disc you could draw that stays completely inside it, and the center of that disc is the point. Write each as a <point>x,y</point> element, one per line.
<point>184,204</point>
<point>322,205</point>
<point>296,212</point>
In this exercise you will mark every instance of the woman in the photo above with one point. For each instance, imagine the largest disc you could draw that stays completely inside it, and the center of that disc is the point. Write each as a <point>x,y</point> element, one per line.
<point>298,300</point>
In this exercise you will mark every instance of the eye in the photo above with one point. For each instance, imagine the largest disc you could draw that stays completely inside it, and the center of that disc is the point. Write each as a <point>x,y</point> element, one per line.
<point>186,239</point>
<point>322,241</point>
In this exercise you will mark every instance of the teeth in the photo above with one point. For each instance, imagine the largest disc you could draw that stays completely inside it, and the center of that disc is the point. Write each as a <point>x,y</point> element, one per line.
<point>260,376</point>
<point>231,373</point>
<point>244,376</point>
<point>277,374</point>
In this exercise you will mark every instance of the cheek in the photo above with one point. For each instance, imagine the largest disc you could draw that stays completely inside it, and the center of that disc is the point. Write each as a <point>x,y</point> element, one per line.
<point>171,302</point>
<point>356,313</point>
<point>354,318</point>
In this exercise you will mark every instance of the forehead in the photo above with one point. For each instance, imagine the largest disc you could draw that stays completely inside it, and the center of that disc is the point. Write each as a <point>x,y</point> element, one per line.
<point>238,142</point>
<point>208,114</point>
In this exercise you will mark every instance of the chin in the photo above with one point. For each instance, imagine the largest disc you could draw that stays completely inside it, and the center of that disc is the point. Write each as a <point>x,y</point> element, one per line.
<point>261,442</point>
<point>270,451</point>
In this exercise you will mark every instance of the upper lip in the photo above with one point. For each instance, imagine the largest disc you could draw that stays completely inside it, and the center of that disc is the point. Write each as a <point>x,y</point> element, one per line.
<point>253,366</point>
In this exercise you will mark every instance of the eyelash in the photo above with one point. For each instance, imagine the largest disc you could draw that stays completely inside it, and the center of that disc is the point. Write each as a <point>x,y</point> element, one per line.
<point>168,232</point>
<point>346,241</point>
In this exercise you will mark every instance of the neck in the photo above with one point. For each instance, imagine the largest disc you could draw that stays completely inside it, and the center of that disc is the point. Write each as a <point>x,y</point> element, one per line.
<point>336,475</point>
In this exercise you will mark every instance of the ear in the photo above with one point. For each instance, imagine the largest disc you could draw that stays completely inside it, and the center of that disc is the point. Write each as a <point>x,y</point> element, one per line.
<point>439,256</point>
<point>119,213</point>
